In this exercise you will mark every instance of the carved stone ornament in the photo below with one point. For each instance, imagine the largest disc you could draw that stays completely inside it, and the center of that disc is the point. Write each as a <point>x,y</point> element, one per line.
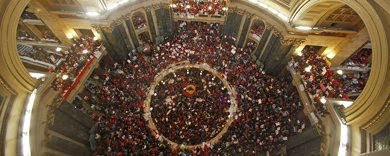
<point>298,42</point>
<point>287,41</point>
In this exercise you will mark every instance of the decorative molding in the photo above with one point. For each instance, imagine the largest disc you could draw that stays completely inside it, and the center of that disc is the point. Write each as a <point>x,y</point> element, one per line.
<point>288,41</point>
<point>105,28</point>
<point>6,87</point>
<point>276,32</point>
<point>117,22</point>
<point>377,117</point>
<point>51,108</point>
<point>298,42</point>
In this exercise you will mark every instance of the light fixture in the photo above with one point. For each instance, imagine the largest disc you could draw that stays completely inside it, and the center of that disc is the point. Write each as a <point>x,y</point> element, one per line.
<point>330,55</point>
<point>95,38</point>
<point>308,68</point>
<point>224,8</point>
<point>346,104</point>
<point>58,49</point>
<point>210,7</point>
<point>64,77</point>
<point>85,51</point>
<point>37,75</point>
<point>299,53</point>
<point>303,28</point>
<point>92,13</point>
<point>323,100</point>
<point>188,6</point>
<point>340,72</point>
<point>69,36</point>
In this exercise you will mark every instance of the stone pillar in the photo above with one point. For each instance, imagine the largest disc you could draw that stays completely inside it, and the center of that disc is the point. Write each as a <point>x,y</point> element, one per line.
<point>128,33</point>
<point>151,23</point>
<point>245,28</point>
<point>264,42</point>
<point>242,22</point>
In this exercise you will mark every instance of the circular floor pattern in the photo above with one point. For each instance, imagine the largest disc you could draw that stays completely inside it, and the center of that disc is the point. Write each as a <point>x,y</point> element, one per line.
<point>174,109</point>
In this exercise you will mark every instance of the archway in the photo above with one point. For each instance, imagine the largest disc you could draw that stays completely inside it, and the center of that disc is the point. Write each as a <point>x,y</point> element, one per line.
<point>13,77</point>
<point>368,110</point>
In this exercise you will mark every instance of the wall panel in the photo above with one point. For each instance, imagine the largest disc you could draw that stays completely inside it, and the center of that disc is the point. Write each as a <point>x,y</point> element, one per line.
<point>232,23</point>
<point>164,21</point>
<point>244,32</point>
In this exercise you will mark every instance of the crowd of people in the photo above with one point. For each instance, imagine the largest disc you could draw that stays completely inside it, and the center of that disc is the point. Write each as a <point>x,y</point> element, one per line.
<point>39,54</point>
<point>145,38</point>
<point>251,45</point>
<point>199,7</point>
<point>257,30</point>
<point>22,35</point>
<point>47,36</point>
<point>321,82</point>
<point>190,106</point>
<point>268,107</point>
<point>355,80</point>
<point>359,59</point>
<point>139,22</point>
<point>75,58</point>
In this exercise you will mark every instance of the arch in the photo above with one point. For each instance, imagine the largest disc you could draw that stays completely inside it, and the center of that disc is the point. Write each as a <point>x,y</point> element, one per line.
<point>375,87</point>
<point>138,15</point>
<point>369,110</point>
<point>257,27</point>
<point>13,72</point>
<point>13,76</point>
